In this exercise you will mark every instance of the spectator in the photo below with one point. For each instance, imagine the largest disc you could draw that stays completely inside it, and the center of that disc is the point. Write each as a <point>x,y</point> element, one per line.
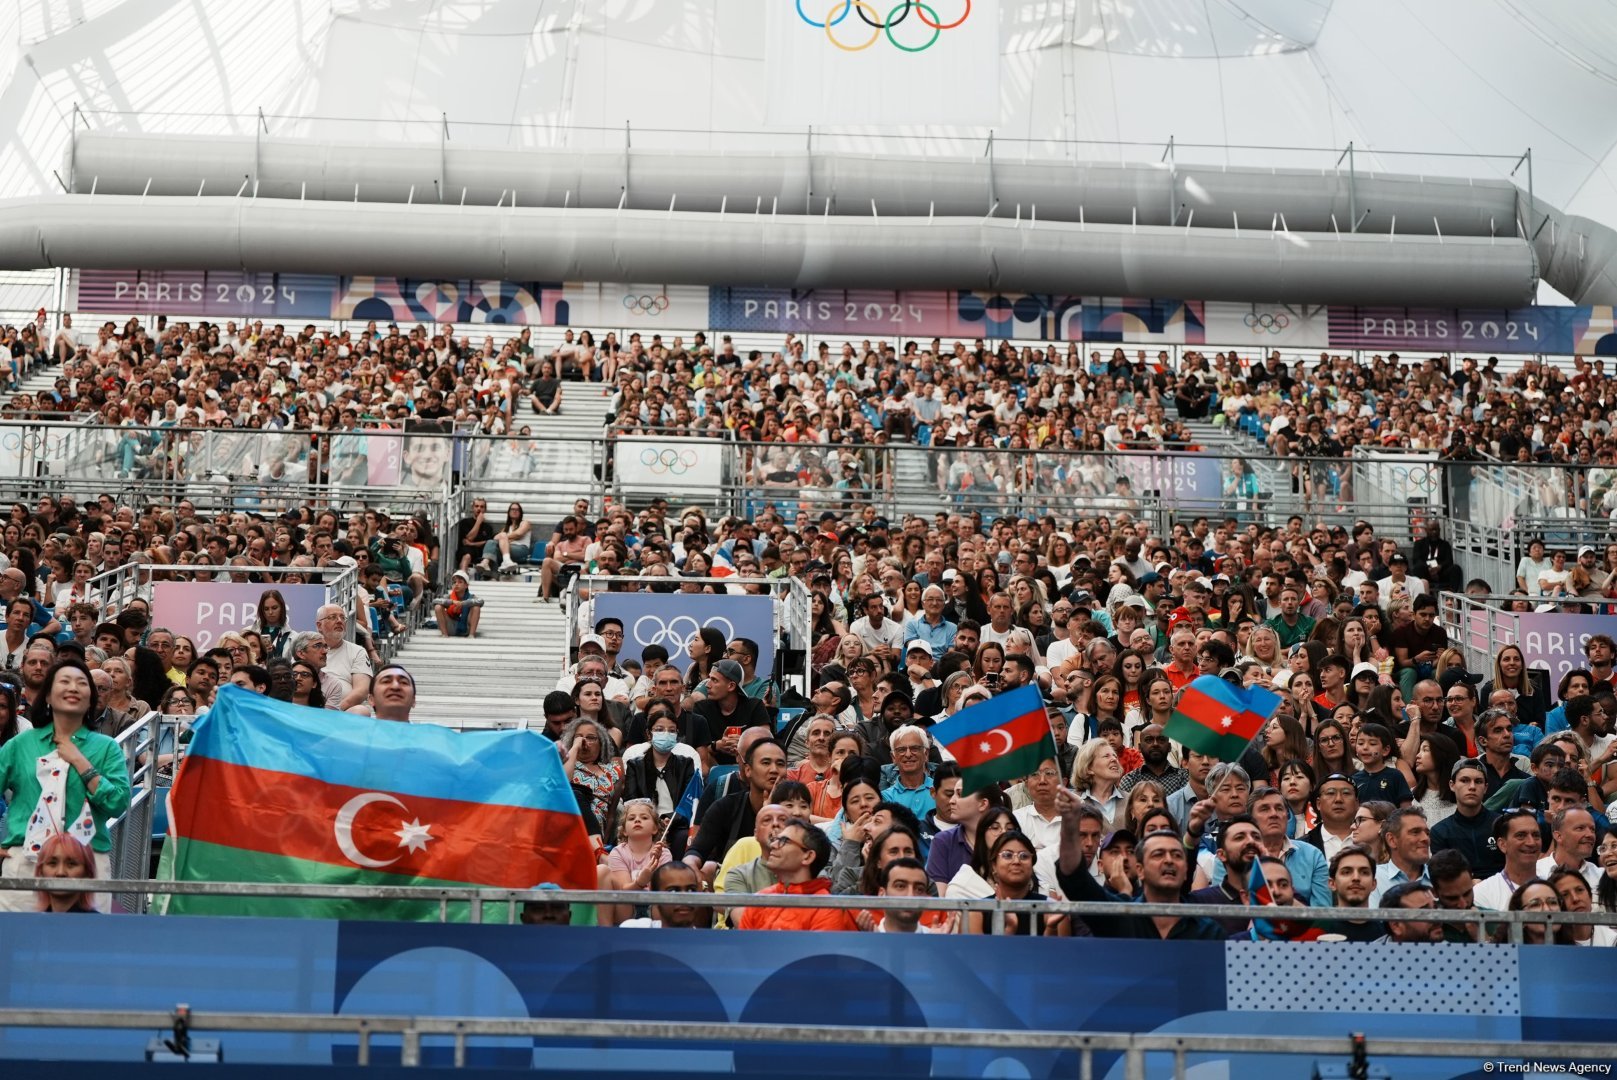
<point>459,612</point>
<point>88,787</point>
<point>1517,837</point>
<point>61,856</point>
<point>796,856</point>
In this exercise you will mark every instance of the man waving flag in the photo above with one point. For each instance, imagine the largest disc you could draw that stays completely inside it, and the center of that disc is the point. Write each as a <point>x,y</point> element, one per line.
<point>276,792</point>
<point>1003,738</point>
<point>1214,716</point>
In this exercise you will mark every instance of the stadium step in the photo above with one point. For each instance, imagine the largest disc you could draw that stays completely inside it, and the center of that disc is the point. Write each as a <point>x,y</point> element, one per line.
<point>499,678</point>
<point>557,463</point>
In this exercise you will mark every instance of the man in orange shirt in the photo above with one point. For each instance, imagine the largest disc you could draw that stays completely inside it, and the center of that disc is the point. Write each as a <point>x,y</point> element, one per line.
<point>796,856</point>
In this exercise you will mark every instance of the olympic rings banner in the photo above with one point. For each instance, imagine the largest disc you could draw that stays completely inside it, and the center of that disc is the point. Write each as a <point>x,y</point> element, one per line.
<point>880,62</point>
<point>672,619</point>
<point>664,466</point>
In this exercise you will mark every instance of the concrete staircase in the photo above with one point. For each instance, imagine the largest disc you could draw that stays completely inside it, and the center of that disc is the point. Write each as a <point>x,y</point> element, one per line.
<point>499,678</point>
<point>559,465</point>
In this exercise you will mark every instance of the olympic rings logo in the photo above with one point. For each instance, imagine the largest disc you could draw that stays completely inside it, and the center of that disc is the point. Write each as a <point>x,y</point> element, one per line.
<point>646,305</point>
<point>669,462</point>
<point>673,635</point>
<point>880,27</point>
<point>1266,323</point>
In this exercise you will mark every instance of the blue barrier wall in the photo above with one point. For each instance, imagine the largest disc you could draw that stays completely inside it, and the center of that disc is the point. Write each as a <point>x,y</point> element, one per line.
<point>1433,991</point>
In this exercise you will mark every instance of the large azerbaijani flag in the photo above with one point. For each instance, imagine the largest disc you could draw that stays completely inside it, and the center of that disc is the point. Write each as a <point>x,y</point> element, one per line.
<point>1003,738</point>
<point>276,792</point>
<point>1214,716</point>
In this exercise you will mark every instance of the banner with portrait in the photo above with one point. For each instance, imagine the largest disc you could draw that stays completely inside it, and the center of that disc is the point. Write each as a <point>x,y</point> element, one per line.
<point>672,619</point>
<point>415,460</point>
<point>202,610</point>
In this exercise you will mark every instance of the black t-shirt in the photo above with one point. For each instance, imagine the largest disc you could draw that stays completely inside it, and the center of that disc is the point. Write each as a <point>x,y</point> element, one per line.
<point>725,822</point>
<point>1410,637</point>
<point>1355,931</point>
<point>749,712</point>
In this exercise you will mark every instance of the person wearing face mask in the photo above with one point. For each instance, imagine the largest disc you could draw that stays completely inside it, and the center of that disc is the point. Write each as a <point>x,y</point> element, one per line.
<point>660,769</point>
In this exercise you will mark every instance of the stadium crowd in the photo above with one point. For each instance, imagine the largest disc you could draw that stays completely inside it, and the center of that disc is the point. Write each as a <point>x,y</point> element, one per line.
<point>1391,775</point>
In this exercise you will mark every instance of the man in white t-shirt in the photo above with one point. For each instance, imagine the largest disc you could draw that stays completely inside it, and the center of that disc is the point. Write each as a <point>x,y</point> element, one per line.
<point>882,636</point>
<point>346,662</point>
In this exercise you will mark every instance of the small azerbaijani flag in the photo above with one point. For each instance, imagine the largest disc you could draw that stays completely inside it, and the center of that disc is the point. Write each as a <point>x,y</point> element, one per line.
<point>276,792</point>
<point>1214,716</point>
<point>1276,929</point>
<point>1003,738</point>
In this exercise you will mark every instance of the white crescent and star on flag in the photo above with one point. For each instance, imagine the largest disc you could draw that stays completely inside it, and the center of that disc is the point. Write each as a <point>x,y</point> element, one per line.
<point>986,745</point>
<point>413,835</point>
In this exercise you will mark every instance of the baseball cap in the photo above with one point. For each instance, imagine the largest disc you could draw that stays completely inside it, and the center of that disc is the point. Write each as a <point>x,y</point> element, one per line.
<point>949,575</point>
<point>917,645</point>
<point>1585,550</point>
<point>730,670</point>
<point>349,560</point>
<point>1150,577</point>
<point>463,575</point>
<point>592,639</point>
<point>1118,836</point>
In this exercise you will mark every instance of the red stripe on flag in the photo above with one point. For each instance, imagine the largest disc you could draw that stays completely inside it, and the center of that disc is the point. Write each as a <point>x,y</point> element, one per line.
<point>1023,730</point>
<point>280,813</point>
<point>1212,714</point>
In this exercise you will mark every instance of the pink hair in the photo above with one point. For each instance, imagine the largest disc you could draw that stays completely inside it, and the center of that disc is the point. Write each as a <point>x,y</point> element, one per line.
<point>81,901</point>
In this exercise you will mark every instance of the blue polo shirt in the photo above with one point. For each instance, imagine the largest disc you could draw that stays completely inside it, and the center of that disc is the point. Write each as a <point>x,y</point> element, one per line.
<point>918,800</point>
<point>939,636</point>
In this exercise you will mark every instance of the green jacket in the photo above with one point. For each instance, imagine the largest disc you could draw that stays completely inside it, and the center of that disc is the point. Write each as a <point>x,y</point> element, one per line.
<point>18,779</point>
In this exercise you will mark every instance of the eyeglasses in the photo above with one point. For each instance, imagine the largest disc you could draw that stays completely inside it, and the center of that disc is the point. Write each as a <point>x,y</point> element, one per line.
<point>908,751</point>
<point>782,840</point>
<point>1015,856</point>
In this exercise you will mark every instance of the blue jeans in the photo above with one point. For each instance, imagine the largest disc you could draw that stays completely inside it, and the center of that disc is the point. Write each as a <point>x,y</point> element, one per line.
<point>519,551</point>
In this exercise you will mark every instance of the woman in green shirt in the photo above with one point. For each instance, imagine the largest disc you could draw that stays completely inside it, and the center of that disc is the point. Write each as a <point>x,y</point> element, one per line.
<point>60,778</point>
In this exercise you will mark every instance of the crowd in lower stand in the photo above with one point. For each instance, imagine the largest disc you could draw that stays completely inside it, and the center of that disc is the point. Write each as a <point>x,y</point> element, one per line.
<point>1398,771</point>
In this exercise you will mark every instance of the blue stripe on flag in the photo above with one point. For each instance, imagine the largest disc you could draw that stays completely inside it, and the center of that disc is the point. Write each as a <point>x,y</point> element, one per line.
<point>988,715</point>
<point>504,768</point>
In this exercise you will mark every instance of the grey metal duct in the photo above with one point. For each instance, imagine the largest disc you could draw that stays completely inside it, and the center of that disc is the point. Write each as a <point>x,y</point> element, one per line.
<point>1310,200</point>
<point>539,244</point>
<point>1578,256</point>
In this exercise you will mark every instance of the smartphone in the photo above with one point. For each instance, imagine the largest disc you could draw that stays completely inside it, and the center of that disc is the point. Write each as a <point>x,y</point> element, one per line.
<point>732,733</point>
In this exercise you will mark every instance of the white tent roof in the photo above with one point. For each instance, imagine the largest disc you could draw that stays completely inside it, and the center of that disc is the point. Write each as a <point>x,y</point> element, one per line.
<point>1442,77</point>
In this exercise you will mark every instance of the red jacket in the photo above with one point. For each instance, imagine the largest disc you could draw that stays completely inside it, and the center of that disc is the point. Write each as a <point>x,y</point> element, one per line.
<point>796,918</point>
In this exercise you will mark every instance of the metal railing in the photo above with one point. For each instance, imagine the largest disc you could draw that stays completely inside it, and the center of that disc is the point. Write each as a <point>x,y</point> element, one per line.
<point>114,589</point>
<point>1134,1047</point>
<point>478,901</point>
<point>131,833</point>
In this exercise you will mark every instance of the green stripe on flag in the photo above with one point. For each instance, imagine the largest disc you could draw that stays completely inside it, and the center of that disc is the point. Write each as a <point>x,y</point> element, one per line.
<point>196,860</point>
<point>1023,761</point>
<point>1204,740</point>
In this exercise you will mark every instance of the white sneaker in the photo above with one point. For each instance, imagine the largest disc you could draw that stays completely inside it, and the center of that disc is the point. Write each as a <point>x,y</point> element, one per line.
<point>508,565</point>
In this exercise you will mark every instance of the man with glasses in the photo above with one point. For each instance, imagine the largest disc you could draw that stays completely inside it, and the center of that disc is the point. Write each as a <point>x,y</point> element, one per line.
<point>796,856</point>
<point>308,647</point>
<point>346,662</point>
<point>1338,802</point>
<point>744,651</point>
<point>1469,830</point>
<point>912,785</point>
